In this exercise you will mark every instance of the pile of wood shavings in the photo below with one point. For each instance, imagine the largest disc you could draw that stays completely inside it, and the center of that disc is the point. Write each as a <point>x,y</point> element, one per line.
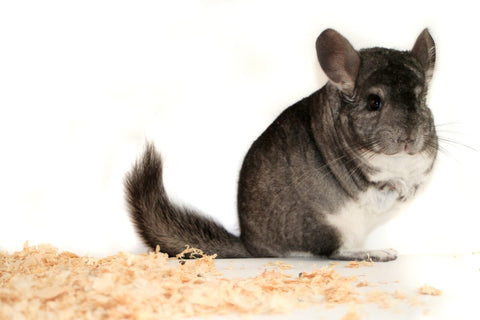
<point>40,282</point>
<point>428,290</point>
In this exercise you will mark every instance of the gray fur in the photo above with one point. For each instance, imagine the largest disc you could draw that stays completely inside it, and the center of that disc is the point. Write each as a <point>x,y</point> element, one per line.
<point>313,161</point>
<point>159,222</point>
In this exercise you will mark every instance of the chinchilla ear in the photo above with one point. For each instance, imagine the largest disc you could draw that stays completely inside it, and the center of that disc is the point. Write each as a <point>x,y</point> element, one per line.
<point>424,51</point>
<point>338,59</point>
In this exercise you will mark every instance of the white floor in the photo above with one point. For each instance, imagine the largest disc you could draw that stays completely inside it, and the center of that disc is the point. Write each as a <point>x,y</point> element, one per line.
<point>458,276</point>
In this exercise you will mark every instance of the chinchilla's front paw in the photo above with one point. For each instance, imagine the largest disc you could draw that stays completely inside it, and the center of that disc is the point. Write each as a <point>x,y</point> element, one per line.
<point>383,255</point>
<point>398,186</point>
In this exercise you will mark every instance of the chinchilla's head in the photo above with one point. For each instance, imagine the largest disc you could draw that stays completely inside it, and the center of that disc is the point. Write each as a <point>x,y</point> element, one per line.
<point>380,94</point>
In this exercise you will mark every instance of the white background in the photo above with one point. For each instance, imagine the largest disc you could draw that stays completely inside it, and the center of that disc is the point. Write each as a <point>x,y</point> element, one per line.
<point>83,85</point>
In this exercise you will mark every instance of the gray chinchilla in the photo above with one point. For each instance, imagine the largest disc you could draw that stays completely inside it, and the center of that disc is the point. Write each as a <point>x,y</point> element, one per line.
<point>325,173</point>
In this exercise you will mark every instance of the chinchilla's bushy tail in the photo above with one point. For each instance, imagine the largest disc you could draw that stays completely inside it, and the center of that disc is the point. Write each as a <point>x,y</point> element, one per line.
<point>160,222</point>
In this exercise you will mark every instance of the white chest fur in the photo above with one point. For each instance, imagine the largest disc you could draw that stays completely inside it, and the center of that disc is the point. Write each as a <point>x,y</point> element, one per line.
<point>397,178</point>
<point>410,169</point>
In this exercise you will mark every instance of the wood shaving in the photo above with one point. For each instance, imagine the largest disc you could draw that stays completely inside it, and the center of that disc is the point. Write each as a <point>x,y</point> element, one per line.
<point>358,264</point>
<point>384,299</point>
<point>362,284</point>
<point>353,264</point>
<point>428,290</point>
<point>368,263</point>
<point>42,283</point>
<point>400,295</point>
<point>352,313</point>
<point>279,264</point>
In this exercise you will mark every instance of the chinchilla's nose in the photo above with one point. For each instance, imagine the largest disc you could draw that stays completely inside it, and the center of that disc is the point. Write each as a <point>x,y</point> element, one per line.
<point>408,144</point>
<point>408,141</point>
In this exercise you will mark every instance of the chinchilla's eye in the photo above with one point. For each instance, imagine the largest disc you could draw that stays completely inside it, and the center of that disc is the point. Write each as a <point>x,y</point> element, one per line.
<point>374,102</point>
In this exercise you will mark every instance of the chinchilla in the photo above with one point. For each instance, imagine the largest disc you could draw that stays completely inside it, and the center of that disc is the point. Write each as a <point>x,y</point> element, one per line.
<point>325,173</point>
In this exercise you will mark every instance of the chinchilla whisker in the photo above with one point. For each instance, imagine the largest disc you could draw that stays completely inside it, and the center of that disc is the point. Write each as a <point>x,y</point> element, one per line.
<point>353,171</point>
<point>301,179</point>
<point>453,123</point>
<point>371,155</point>
<point>433,148</point>
<point>366,150</point>
<point>448,131</point>
<point>455,143</point>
